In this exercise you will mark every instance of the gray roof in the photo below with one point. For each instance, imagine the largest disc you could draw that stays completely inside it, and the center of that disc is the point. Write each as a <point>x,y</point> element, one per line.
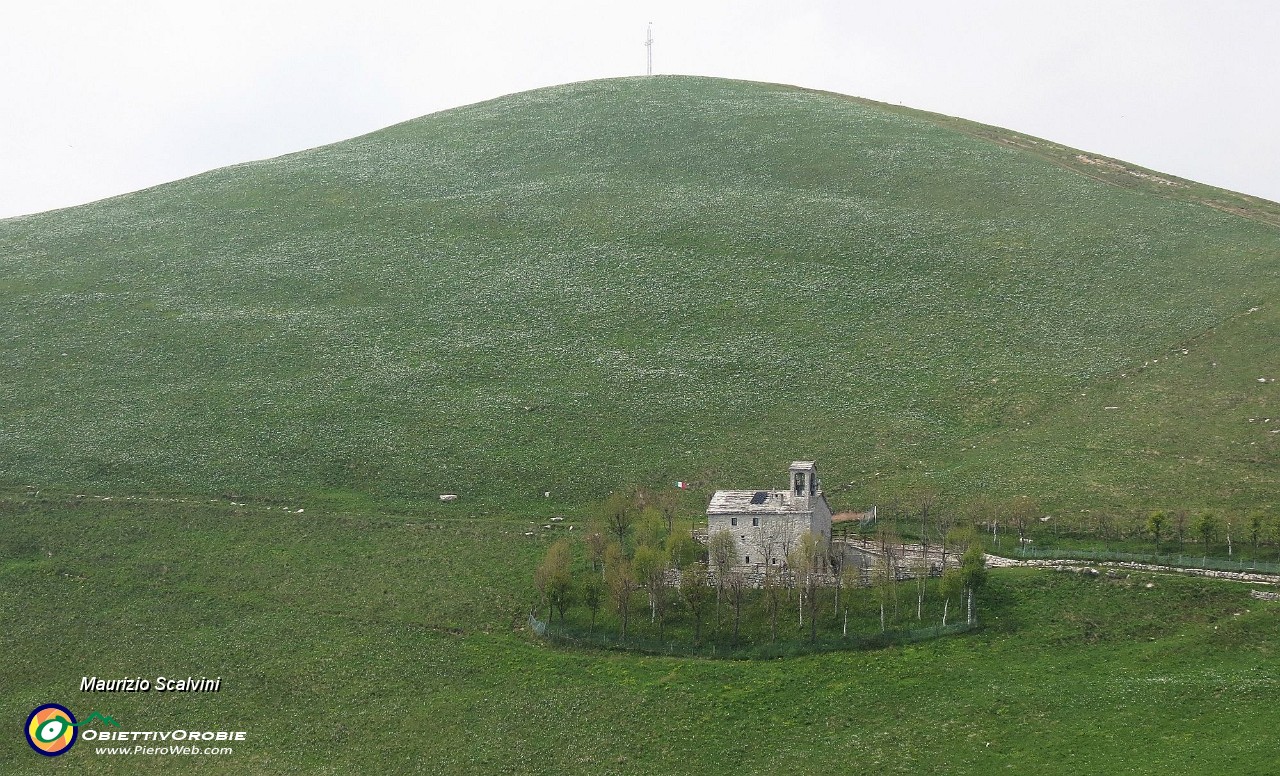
<point>737,502</point>
<point>802,465</point>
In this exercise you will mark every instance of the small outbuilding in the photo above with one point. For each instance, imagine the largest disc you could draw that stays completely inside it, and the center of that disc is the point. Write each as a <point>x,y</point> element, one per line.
<point>766,525</point>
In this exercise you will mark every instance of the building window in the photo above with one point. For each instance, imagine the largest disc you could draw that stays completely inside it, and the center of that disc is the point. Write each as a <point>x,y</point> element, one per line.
<point>755,521</point>
<point>733,521</point>
<point>773,561</point>
<point>748,559</point>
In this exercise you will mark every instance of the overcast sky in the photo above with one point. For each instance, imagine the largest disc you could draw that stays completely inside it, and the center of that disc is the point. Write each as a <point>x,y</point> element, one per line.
<point>102,97</point>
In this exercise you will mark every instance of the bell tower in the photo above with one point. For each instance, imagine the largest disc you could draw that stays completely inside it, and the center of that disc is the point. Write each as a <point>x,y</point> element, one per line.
<point>804,480</point>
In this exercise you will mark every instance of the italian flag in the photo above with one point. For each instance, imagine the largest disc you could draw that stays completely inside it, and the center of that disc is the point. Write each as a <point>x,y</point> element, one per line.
<point>682,485</point>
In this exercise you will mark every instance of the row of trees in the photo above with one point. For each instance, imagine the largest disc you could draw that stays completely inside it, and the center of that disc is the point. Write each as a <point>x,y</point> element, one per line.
<point>923,511</point>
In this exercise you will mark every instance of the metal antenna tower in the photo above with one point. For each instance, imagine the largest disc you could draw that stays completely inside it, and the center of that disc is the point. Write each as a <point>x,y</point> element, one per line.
<point>648,45</point>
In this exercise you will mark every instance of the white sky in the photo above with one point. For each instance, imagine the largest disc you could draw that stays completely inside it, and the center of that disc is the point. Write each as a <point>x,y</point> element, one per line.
<point>101,97</point>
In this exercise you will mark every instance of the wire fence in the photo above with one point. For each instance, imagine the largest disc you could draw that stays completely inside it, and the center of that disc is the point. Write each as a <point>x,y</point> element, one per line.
<point>562,636</point>
<point>1179,561</point>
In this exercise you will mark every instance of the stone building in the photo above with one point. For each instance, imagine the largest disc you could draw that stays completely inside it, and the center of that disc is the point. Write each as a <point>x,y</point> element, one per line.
<point>768,524</point>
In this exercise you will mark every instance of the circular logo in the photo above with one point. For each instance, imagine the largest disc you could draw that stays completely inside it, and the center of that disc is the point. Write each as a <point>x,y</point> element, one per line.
<point>51,729</point>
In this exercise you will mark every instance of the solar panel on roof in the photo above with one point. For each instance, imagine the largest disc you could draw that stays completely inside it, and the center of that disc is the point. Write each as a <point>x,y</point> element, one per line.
<point>759,497</point>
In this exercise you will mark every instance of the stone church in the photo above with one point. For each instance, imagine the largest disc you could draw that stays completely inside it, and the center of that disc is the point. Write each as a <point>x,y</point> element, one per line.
<point>767,524</point>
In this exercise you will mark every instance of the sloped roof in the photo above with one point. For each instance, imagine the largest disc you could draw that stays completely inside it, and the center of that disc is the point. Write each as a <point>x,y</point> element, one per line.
<point>737,502</point>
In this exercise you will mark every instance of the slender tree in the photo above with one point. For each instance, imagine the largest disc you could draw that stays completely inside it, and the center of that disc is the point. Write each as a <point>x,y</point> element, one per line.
<point>618,514</point>
<point>808,566</point>
<point>592,593</point>
<point>737,585</point>
<point>553,578</point>
<point>1256,521</point>
<point>650,569</point>
<point>773,586</point>
<point>923,500</point>
<point>981,514</point>
<point>596,538</point>
<point>882,582</point>
<point>667,502</point>
<point>973,567</point>
<point>920,570</point>
<point>696,594</point>
<point>1180,527</point>
<point>1155,526</point>
<point>952,585</point>
<point>944,519</point>
<point>620,582</point>
<point>1206,527</point>
<point>850,575</point>
<point>1021,511</point>
<point>722,552</point>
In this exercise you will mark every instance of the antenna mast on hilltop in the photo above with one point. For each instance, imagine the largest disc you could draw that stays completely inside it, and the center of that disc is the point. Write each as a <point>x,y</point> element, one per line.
<point>648,45</point>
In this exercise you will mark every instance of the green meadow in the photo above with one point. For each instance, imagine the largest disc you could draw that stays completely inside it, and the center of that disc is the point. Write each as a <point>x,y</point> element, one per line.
<point>228,406</point>
<point>357,643</point>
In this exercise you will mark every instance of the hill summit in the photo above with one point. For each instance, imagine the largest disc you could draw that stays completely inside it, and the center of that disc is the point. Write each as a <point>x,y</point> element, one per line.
<point>644,280</point>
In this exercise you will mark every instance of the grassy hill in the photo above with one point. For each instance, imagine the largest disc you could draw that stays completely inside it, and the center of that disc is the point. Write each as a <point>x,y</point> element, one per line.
<point>644,280</point>
<point>605,284</point>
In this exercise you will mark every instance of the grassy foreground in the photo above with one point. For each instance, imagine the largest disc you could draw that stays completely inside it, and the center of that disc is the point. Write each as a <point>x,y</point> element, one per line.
<point>362,643</point>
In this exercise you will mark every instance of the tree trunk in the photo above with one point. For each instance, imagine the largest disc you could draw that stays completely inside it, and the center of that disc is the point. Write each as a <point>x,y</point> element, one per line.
<point>737,617</point>
<point>845,633</point>
<point>946,602</point>
<point>882,616</point>
<point>971,613</point>
<point>813,615</point>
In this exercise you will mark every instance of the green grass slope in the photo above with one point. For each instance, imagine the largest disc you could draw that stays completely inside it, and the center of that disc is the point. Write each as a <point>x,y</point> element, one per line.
<point>374,643</point>
<point>638,281</point>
